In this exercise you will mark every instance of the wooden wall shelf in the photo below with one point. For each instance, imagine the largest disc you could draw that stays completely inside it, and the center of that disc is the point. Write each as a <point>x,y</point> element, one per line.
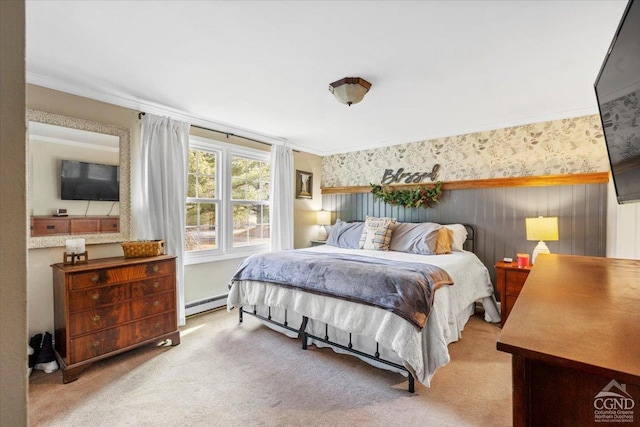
<point>62,225</point>
<point>524,181</point>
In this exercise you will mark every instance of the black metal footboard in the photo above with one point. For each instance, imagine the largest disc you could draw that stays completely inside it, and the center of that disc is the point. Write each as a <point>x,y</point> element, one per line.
<point>302,333</point>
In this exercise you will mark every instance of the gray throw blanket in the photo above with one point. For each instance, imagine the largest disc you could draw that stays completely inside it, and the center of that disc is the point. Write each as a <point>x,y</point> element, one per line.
<point>404,288</point>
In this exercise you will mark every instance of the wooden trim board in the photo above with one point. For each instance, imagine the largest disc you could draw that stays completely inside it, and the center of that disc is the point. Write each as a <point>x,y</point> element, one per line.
<point>523,181</point>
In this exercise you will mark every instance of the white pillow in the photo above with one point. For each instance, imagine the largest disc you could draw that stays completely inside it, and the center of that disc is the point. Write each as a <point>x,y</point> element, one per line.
<point>459,236</point>
<point>345,234</point>
<point>415,238</point>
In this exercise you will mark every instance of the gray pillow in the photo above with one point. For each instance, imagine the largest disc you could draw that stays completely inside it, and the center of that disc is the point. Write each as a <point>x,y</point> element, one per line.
<point>345,234</point>
<point>419,238</point>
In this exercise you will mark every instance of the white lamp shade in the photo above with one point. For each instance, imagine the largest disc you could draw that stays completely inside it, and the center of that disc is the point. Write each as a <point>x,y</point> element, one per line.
<point>324,218</point>
<point>542,228</point>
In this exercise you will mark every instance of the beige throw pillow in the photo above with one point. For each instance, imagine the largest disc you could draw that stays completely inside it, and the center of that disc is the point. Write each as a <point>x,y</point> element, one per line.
<point>376,234</point>
<point>445,239</point>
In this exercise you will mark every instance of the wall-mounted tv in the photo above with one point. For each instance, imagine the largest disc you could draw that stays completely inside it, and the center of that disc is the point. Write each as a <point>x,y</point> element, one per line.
<point>89,181</point>
<point>618,92</point>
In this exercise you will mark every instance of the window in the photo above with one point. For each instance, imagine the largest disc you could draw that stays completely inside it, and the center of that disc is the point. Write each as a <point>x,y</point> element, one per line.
<point>202,201</point>
<point>227,206</point>
<point>250,201</point>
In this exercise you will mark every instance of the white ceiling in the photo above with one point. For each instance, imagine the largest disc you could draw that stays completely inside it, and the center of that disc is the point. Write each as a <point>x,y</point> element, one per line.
<point>262,68</point>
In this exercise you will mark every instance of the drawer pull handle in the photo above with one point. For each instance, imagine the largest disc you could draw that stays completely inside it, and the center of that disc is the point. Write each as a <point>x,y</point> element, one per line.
<point>96,318</point>
<point>156,285</point>
<point>51,227</point>
<point>157,325</point>
<point>155,268</point>
<point>95,278</point>
<point>156,303</point>
<point>96,344</point>
<point>95,296</point>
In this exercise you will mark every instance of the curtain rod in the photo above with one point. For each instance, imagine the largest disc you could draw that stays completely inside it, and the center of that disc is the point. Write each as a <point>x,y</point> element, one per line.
<point>228,134</point>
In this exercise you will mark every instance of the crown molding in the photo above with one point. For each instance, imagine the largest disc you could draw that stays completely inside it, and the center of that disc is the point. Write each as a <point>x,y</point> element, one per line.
<point>158,109</point>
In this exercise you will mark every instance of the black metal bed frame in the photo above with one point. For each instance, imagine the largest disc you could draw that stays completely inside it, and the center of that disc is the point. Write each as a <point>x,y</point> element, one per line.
<point>304,335</point>
<point>469,244</point>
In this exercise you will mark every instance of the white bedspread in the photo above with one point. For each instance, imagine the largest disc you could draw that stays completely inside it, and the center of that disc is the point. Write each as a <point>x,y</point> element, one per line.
<point>421,352</point>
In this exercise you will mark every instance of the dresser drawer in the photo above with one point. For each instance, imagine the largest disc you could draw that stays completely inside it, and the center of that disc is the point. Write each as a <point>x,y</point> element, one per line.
<point>107,341</point>
<point>154,326</point>
<point>97,297</point>
<point>50,226</point>
<point>85,226</point>
<point>100,318</point>
<point>89,346</point>
<point>155,304</point>
<point>515,281</point>
<point>110,225</point>
<point>120,274</point>
<point>152,286</point>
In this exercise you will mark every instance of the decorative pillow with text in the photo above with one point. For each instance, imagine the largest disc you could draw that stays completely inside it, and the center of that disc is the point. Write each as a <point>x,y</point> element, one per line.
<point>376,234</point>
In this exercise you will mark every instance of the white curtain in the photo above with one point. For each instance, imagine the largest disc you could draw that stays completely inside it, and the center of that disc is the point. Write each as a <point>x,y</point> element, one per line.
<point>281,198</point>
<point>161,215</point>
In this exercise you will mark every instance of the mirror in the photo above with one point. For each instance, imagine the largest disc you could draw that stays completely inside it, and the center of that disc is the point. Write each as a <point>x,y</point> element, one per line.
<point>96,149</point>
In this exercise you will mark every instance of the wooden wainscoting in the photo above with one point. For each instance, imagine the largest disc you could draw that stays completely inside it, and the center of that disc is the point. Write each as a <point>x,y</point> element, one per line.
<point>498,214</point>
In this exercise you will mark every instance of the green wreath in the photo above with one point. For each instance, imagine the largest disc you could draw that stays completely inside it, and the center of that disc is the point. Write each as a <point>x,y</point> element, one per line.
<point>423,195</point>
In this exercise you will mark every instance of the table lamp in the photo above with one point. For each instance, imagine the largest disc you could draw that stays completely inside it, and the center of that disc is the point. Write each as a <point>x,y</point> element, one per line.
<point>541,229</point>
<point>323,219</point>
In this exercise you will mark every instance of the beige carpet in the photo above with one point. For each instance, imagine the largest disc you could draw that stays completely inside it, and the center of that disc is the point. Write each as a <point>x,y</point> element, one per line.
<point>228,374</point>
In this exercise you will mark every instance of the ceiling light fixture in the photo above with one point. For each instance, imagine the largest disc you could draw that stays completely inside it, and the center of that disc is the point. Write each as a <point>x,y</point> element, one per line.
<point>350,90</point>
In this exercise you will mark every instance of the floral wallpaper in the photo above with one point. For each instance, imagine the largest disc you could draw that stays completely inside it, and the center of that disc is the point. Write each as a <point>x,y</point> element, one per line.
<point>567,146</point>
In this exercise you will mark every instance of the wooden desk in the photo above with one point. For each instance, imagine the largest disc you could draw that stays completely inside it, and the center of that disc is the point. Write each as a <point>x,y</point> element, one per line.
<point>574,328</point>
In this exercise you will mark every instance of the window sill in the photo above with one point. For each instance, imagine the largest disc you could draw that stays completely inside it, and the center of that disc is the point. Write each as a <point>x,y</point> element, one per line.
<point>193,258</point>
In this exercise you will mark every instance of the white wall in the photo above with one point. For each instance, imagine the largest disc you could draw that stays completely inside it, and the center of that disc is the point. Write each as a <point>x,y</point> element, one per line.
<point>305,227</point>
<point>44,172</point>
<point>623,227</point>
<point>40,282</point>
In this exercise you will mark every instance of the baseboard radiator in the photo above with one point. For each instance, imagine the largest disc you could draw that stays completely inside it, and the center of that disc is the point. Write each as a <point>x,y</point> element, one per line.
<point>206,304</point>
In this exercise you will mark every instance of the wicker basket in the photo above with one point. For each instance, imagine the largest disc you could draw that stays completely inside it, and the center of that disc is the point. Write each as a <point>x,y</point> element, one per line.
<point>143,248</point>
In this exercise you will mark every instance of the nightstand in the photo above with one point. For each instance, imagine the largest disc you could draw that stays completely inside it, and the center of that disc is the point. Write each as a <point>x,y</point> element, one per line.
<point>509,282</point>
<point>318,242</point>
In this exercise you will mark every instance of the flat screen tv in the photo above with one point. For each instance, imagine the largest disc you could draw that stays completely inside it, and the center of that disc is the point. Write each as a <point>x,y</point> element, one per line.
<point>618,92</point>
<point>89,181</point>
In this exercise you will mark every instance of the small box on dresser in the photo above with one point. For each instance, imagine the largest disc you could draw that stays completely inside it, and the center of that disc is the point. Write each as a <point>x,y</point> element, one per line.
<point>112,305</point>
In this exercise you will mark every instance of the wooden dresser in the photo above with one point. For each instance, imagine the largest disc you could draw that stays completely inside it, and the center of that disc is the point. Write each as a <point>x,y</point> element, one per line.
<point>509,282</point>
<point>112,305</point>
<point>575,339</point>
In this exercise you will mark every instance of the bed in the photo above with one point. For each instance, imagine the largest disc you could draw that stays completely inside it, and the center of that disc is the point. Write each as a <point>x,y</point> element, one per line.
<point>376,335</point>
